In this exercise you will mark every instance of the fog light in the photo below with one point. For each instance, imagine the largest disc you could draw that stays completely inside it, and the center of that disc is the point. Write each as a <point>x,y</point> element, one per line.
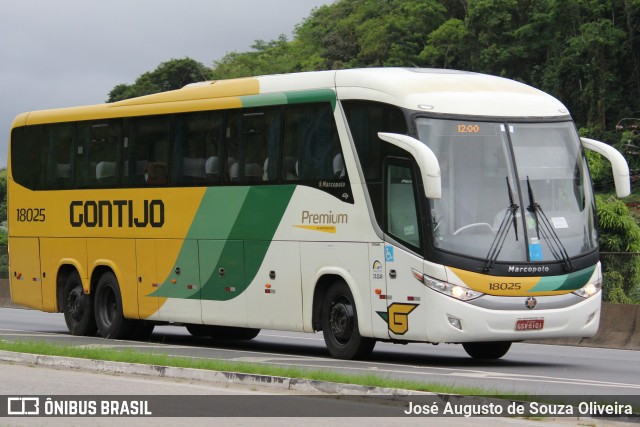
<point>591,316</point>
<point>455,322</point>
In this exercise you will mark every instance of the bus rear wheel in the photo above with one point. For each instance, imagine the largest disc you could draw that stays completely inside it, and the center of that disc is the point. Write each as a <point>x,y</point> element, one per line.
<point>340,325</point>
<point>108,308</point>
<point>487,350</point>
<point>222,332</point>
<point>78,307</point>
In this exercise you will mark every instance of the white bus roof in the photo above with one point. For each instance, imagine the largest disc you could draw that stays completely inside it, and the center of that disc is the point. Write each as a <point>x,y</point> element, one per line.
<point>435,90</point>
<point>448,92</point>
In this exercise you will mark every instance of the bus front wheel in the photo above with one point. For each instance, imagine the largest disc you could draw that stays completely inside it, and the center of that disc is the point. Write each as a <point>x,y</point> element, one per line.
<point>487,350</point>
<point>78,307</point>
<point>108,308</point>
<point>340,325</point>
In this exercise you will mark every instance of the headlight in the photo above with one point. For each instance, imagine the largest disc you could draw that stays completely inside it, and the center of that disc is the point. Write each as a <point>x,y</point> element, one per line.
<point>455,291</point>
<point>590,289</point>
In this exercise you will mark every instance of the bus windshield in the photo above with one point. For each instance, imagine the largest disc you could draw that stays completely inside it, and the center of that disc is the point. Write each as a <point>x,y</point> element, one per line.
<point>511,192</point>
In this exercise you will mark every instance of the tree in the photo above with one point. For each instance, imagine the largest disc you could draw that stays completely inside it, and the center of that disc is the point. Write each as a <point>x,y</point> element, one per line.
<point>619,233</point>
<point>447,46</point>
<point>170,75</point>
<point>274,57</point>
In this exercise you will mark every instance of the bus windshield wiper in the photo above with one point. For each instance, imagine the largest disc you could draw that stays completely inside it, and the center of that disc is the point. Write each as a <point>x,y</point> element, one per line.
<point>501,235</point>
<point>545,230</point>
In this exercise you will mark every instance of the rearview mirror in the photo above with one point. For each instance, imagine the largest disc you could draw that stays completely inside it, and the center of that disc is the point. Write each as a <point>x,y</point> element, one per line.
<point>426,159</point>
<point>618,164</point>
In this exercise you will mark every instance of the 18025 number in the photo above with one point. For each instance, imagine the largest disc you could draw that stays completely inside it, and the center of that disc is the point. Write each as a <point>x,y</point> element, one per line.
<point>30,215</point>
<point>505,286</point>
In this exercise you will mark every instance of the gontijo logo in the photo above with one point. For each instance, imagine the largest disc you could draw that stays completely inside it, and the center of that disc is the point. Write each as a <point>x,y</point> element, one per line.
<point>324,222</point>
<point>116,213</point>
<point>397,317</point>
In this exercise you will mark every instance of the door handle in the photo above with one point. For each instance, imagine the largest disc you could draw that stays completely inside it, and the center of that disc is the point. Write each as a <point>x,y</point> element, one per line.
<point>392,273</point>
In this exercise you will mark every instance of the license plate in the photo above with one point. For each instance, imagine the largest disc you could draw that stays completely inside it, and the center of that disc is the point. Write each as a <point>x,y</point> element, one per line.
<point>529,324</point>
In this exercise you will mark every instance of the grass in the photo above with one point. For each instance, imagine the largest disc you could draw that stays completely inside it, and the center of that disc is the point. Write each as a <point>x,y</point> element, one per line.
<point>133,356</point>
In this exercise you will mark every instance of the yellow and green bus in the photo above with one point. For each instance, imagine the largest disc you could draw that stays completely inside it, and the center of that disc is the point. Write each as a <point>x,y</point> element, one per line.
<point>401,205</point>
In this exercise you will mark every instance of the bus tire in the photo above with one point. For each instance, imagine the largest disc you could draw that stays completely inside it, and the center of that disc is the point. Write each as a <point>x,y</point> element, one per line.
<point>108,308</point>
<point>78,307</point>
<point>487,350</point>
<point>340,325</point>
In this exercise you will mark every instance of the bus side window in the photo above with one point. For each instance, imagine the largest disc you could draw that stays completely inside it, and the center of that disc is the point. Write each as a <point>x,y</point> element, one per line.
<point>272,135</point>
<point>148,151</point>
<point>253,145</point>
<point>311,145</point>
<point>366,119</point>
<point>198,140</point>
<point>402,210</point>
<point>98,154</point>
<point>253,150</point>
<point>60,142</point>
<point>27,156</point>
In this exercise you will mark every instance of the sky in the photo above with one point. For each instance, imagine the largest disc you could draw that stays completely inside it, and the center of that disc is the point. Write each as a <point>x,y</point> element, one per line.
<point>63,53</point>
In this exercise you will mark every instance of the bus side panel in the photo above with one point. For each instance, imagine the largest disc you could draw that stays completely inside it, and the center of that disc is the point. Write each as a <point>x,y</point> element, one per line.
<point>222,273</point>
<point>378,290</point>
<point>56,252</point>
<point>24,271</point>
<point>120,256</point>
<point>274,301</point>
<point>148,282</point>
<point>180,275</point>
<point>347,260</point>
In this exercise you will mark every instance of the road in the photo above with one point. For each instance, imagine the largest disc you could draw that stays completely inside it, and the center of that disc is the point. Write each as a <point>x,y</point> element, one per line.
<point>527,369</point>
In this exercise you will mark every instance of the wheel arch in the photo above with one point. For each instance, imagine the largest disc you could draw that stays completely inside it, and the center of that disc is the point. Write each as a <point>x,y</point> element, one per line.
<point>65,269</point>
<point>98,271</point>
<point>328,277</point>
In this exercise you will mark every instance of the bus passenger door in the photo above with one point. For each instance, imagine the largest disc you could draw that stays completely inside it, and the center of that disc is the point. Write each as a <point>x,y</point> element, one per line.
<point>24,272</point>
<point>404,240</point>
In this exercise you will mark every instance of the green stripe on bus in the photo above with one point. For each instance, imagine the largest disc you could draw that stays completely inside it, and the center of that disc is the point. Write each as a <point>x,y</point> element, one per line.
<point>232,224</point>
<point>263,100</point>
<point>308,96</point>
<point>567,282</point>
<point>282,98</point>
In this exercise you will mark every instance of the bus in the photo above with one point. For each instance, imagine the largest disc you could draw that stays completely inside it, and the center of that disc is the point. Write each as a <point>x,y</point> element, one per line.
<point>397,205</point>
